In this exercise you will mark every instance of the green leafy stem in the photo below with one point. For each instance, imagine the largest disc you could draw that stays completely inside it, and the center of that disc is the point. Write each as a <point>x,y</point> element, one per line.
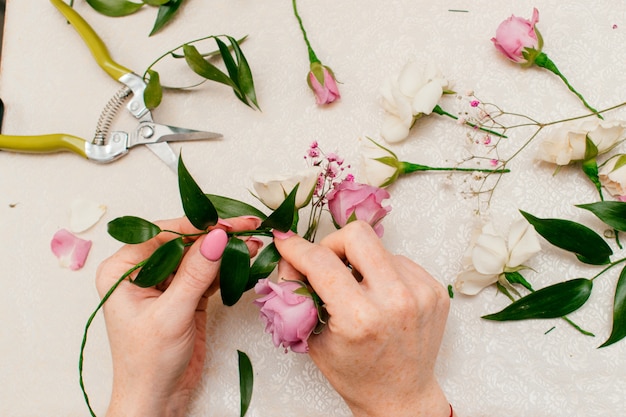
<point>238,77</point>
<point>565,297</point>
<point>167,9</point>
<point>237,275</point>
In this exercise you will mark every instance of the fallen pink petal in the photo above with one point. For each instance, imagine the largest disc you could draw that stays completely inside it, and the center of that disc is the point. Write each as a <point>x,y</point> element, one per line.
<point>71,250</point>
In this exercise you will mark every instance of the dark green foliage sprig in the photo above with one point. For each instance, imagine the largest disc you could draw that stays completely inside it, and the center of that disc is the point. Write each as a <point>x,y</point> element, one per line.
<point>589,247</point>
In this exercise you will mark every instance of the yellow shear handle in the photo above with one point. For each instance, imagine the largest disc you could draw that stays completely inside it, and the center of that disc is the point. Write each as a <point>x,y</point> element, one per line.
<point>43,144</point>
<point>93,41</point>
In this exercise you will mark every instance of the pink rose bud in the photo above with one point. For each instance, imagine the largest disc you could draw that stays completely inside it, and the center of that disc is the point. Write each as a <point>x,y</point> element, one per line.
<point>350,200</point>
<point>322,81</point>
<point>515,37</point>
<point>288,316</point>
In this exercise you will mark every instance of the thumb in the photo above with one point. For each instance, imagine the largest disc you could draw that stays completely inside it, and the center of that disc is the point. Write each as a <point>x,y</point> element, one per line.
<point>197,271</point>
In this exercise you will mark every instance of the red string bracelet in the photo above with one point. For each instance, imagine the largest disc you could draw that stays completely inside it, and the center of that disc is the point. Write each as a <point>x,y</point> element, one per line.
<point>451,411</point>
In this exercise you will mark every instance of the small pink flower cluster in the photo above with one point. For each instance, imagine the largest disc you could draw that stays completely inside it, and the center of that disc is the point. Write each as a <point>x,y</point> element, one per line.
<point>333,170</point>
<point>346,198</point>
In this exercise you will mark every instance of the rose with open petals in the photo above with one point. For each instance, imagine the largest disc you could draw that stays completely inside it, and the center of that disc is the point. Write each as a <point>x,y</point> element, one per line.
<point>518,39</point>
<point>288,316</point>
<point>612,176</point>
<point>414,93</point>
<point>568,143</point>
<point>491,256</point>
<point>350,200</point>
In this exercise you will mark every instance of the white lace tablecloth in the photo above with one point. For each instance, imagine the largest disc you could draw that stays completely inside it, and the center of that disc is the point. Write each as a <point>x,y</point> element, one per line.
<point>49,83</point>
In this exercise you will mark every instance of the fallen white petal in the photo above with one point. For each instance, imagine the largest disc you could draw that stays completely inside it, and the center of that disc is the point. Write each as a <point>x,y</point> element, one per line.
<point>84,214</point>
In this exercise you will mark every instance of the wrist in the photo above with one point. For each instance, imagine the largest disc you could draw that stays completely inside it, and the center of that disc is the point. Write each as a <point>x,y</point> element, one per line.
<point>136,404</point>
<point>432,403</point>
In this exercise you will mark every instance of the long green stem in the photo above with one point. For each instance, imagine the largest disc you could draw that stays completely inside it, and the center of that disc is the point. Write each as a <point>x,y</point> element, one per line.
<point>543,61</point>
<point>409,167</point>
<point>89,321</point>
<point>312,56</point>
<point>611,265</point>
<point>438,110</point>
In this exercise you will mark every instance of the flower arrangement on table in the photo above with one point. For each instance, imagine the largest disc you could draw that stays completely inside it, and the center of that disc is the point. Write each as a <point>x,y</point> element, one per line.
<point>291,311</point>
<point>495,259</point>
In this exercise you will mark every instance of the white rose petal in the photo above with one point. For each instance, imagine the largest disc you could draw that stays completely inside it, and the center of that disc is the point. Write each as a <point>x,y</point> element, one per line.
<point>411,79</point>
<point>394,129</point>
<point>612,178</point>
<point>472,282</point>
<point>426,98</point>
<point>415,91</point>
<point>523,243</point>
<point>372,171</point>
<point>273,189</point>
<point>568,142</point>
<point>490,254</point>
<point>85,214</point>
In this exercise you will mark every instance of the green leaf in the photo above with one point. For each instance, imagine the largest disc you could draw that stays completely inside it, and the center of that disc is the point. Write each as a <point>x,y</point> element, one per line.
<point>263,265</point>
<point>229,62</point>
<point>244,79</point>
<point>234,271</point>
<point>115,8</point>
<point>282,218</point>
<point>197,206</point>
<point>228,207</point>
<point>612,213</point>
<point>155,2</point>
<point>246,381</point>
<point>130,229</point>
<point>554,301</point>
<point>153,93</point>
<point>165,14</point>
<point>586,244</point>
<point>211,54</point>
<point>203,68</point>
<point>590,164</point>
<point>618,331</point>
<point>161,264</point>
<point>517,278</point>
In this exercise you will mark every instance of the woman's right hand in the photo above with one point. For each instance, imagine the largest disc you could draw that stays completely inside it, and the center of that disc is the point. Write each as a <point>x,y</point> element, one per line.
<point>384,330</point>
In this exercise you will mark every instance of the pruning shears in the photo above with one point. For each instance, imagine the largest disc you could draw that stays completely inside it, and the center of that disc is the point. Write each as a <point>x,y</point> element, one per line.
<point>107,146</point>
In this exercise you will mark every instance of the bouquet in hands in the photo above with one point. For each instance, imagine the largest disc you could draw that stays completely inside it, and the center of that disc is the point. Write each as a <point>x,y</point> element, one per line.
<point>290,309</point>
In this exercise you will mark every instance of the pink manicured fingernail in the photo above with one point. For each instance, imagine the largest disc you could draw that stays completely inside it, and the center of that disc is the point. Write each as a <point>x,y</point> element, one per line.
<point>256,241</point>
<point>225,224</point>
<point>214,244</point>
<point>257,221</point>
<point>282,235</point>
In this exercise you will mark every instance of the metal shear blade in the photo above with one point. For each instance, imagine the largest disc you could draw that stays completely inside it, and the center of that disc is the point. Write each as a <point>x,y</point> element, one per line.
<point>155,136</point>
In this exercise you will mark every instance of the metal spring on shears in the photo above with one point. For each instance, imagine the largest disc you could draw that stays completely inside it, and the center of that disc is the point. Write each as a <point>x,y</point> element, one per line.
<point>108,114</point>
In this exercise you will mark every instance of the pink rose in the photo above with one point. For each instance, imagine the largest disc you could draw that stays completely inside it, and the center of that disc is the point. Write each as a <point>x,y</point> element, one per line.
<point>515,35</point>
<point>288,316</point>
<point>323,84</point>
<point>350,200</point>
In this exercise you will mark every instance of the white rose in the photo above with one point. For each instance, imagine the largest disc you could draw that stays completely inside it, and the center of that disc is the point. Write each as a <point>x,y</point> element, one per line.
<point>273,189</point>
<point>491,255</point>
<point>415,92</point>
<point>431,85</point>
<point>398,117</point>
<point>612,176</point>
<point>568,142</point>
<point>375,172</point>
